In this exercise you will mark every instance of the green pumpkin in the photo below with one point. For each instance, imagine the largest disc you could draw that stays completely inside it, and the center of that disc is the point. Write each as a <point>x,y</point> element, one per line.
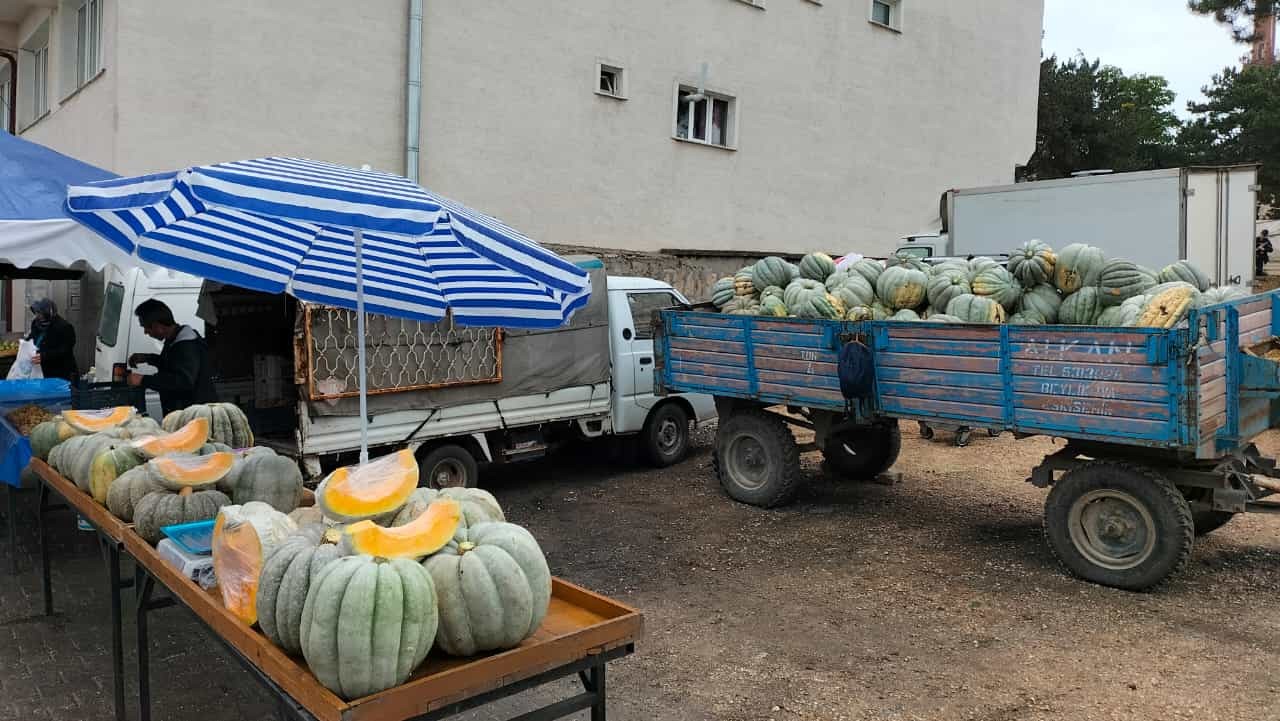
<point>771,271</point>
<point>998,284</point>
<point>952,265</point>
<point>134,428</point>
<point>46,436</point>
<point>907,260</point>
<point>261,475</point>
<point>165,508</point>
<point>73,458</point>
<point>772,291</point>
<point>1184,271</point>
<point>902,287</point>
<point>1027,317</point>
<point>946,284</point>
<point>976,309</point>
<point>1122,279</point>
<point>368,624</point>
<point>1081,307</point>
<point>817,266</point>
<point>722,292</point>
<point>906,314</point>
<point>286,577</point>
<point>742,305</point>
<point>131,487</point>
<point>859,313</point>
<point>502,612</point>
<point>980,264</point>
<point>1124,315</point>
<point>880,311</point>
<point>1078,267</point>
<point>867,268</point>
<point>227,423</point>
<point>809,299</point>
<point>1222,294</point>
<point>773,307</point>
<point>942,318</point>
<point>852,289</point>
<point>1042,299</point>
<point>109,466</point>
<point>1033,263</point>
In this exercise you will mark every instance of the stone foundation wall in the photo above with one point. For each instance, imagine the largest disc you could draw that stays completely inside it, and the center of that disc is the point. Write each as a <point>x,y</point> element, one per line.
<point>692,274</point>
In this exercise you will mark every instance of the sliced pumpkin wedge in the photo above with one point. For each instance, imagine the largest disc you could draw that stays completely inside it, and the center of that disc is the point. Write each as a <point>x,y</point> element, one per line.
<point>187,439</point>
<point>95,421</point>
<point>423,536</point>
<point>182,471</point>
<point>367,491</point>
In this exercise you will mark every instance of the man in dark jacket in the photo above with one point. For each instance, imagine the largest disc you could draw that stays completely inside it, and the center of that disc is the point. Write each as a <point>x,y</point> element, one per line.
<point>183,374</point>
<point>55,341</point>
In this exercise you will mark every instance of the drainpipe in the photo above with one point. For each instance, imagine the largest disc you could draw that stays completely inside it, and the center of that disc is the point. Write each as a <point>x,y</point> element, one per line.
<point>413,105</point>
<point>13,89</point>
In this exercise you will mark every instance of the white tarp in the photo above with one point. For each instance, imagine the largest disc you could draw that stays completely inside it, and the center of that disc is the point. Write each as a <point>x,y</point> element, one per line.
<point>62,243</point>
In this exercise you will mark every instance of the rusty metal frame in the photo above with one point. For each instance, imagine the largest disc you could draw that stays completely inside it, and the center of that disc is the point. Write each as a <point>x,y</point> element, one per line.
<point>313,395</point>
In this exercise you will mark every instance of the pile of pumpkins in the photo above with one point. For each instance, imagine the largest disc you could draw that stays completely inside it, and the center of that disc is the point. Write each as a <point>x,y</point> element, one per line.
<point>1036,286</point>
<point>365,583</point>
<point>158,474</point>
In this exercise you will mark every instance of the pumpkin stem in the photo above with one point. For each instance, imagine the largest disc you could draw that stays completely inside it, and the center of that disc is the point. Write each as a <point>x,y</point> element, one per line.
<point>465,546</point>
<point>332,535</point>
<point>186,491</point>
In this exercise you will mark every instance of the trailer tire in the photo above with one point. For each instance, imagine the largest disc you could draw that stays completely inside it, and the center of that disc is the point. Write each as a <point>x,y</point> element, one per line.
<point>448,466</point>
<point>1209,521</point>
<point>1118,525</point>
<point>756,459</point>
<point>862,453</point>
<point>666,435</point>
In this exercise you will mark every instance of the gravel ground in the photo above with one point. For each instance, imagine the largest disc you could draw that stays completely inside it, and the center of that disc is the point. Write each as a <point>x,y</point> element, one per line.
<point>932,598</point>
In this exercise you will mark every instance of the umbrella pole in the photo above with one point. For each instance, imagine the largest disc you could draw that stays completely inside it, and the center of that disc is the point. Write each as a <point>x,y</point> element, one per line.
<point>364,402</point>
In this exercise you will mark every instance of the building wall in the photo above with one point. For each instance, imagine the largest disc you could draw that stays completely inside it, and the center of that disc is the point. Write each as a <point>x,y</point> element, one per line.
<point>847,132</point>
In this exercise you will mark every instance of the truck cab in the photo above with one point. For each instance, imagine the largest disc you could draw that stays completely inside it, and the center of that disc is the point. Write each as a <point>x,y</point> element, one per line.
<point>119,334</point>
<point>662,422</point>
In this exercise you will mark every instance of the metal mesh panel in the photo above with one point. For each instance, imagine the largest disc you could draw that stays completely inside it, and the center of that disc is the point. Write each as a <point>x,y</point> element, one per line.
<point>401,354</point>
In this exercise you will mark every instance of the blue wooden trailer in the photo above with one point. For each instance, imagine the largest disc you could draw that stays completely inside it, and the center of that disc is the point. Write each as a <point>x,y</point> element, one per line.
<point>1159,422</point>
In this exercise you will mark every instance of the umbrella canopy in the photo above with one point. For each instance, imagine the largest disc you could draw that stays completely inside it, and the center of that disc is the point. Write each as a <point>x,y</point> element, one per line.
<point>337,236</point>
<point>291,225</point>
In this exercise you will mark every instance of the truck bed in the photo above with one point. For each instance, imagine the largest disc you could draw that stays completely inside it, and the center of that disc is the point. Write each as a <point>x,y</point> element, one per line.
<point>1170,389</point>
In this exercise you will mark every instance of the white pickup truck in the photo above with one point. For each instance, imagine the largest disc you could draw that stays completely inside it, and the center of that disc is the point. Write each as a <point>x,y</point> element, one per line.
<point>459,397</point>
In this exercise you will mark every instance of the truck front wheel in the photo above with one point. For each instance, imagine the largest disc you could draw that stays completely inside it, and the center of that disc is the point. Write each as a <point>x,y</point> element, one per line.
<point>756,459</point>
<point>448,466</point>
<point>666,435</point>
<point>862,453</point>
<point>1118,525</point>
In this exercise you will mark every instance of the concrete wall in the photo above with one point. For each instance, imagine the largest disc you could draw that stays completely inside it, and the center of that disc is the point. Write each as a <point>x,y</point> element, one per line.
<point>692,276</point>
<point>846,131</point>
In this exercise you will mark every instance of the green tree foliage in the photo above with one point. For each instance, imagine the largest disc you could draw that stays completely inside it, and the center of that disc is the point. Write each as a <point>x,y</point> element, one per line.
<point>1094,116</point>
<point>1239,121</point>
<point>1238,14</point>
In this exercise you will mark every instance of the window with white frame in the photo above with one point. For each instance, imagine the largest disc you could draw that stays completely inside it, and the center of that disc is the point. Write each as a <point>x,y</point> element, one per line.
<point>611,80</point>
<point>88,40</point>
<point>705,117</point>
<point>40,81</point>
<point>887,13</point>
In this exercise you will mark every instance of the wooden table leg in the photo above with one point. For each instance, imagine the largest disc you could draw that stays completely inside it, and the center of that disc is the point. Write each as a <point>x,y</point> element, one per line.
<point>12,520</point>
<point>143,590</point>
<point>117,622</point>
<point>46,581</point>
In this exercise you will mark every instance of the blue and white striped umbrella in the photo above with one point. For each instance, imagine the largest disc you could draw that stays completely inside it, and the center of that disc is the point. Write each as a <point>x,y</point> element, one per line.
<point>289,225</point>
<point>337,236</point>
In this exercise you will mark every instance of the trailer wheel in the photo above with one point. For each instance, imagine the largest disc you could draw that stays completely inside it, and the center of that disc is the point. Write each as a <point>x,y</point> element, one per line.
<point>1210,521</point>
<point>925,431</point>
<point>862,453</point>
<point>448,466</point>
<point>1118,525</point>
<point>666,435</point>
<point>756,459</point>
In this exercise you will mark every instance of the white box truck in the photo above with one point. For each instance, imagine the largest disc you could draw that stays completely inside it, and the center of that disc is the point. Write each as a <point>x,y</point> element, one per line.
<point>1201,214</point>
<point>457,396</point>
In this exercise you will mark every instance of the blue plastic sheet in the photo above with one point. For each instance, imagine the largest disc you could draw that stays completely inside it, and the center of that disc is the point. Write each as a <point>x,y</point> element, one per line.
<point>15,453</point>
<point>17,392</point>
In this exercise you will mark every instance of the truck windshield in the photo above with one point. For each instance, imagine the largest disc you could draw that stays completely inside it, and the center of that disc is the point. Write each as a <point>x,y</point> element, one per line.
<point>112,305</point>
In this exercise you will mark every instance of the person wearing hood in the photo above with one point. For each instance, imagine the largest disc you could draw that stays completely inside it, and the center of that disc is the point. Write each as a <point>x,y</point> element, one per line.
<point>184,375</point>
<point>55,341</point>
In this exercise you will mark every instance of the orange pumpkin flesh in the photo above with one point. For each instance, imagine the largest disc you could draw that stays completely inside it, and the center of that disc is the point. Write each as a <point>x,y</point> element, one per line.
<point>187,439</point>
<point>193,470</point>
<point>423,536</point>
<point>99,420</point>
<point>375,488</point>
<point>237,563</point>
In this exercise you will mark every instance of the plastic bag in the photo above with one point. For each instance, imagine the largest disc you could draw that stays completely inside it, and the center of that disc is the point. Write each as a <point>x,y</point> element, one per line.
<point>23,368</point>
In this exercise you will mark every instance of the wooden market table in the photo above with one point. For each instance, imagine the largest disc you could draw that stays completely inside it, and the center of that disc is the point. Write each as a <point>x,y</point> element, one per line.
<point>111,532</point>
